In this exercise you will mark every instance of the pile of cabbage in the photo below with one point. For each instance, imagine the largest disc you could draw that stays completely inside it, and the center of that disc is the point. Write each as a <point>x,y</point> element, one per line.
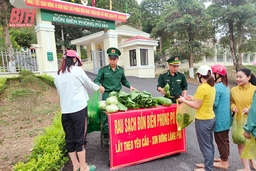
<point>122,101</point>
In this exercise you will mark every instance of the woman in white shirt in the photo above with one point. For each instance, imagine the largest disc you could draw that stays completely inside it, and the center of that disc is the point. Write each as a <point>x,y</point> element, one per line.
<point>71,83</point>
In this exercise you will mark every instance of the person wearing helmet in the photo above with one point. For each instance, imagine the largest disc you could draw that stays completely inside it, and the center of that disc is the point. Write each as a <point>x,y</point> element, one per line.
<point>241,99</point>
<point>223,115</point>
<point>203,101</point>
<point>71,82</point>
<point>176,80</point>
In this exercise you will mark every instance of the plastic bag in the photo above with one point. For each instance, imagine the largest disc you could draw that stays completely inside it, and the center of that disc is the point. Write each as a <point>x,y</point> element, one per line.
<point>239,120</point>
<point>93,107</point>
<point>185,115</point>
<point>249,151</point>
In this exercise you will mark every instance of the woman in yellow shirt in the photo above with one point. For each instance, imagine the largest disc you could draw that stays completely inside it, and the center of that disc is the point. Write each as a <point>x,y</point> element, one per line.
<point>203,101</point>
<point>241,99</point>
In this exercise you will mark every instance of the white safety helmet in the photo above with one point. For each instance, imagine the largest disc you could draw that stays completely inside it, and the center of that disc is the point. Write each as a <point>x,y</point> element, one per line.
<point>203,70</point>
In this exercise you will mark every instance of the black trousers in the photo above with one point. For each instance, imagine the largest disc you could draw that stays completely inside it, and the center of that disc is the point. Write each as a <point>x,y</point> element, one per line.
<point>75,128</point>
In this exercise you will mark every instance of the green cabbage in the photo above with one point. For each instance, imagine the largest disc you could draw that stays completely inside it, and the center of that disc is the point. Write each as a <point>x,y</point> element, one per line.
<point>111,108</point>
<point>102,105</point>
<point>112,100</point>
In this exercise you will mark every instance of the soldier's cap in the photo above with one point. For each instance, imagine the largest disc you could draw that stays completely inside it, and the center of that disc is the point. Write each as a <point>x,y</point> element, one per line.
<point>174,60</point>
<point>113,52</point>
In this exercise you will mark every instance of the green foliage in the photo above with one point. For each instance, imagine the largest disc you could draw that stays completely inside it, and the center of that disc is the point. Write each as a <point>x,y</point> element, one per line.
<point>33,82</point>
<point>47,79</point>
<point>49,151</point>
<point>159,57</point>
<point>24,36</point>
<point>2,42</point>
<point>25,73</point>
<point>12,38</point>
<point>2,84</point>
<point>187,23</point>
<point>236,20</point>
<point>252,68</point>
<point>59,55</point>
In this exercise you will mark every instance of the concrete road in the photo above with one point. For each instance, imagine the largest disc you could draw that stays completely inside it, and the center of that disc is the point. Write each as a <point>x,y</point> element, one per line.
<point>183,162</point>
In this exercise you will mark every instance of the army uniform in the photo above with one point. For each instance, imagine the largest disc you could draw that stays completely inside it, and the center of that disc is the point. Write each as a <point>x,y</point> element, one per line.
<point>177,82</point>
<point>111,80</point>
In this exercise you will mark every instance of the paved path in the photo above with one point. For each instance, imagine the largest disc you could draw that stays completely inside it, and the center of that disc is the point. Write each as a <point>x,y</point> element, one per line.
<point>183,162</point>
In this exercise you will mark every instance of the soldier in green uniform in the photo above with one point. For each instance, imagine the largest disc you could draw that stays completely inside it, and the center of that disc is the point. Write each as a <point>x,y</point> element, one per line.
<point>111,77</point>
<point>176,80</point>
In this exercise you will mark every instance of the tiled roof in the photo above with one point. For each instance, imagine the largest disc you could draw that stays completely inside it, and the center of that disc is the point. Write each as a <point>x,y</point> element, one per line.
<point>138,38</point>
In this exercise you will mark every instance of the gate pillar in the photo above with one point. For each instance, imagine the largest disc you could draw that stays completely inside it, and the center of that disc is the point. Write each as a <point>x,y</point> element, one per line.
<point>109,40</point>
<point>46,52</point>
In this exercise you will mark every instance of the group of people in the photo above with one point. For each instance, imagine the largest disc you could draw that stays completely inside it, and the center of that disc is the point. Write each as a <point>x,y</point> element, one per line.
<point>215,105</point>
<point>211,100</point>
<point>72,84</point>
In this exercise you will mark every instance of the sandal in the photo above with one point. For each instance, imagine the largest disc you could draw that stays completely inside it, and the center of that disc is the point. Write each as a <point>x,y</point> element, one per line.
<point>92,167</point>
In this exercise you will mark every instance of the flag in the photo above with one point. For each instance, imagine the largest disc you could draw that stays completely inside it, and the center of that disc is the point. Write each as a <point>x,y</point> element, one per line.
<point>93,3</point>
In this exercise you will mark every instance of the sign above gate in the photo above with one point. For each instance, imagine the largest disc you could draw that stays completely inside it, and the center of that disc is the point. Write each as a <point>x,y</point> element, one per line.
<point>76,20</point>
<point>78,9</point>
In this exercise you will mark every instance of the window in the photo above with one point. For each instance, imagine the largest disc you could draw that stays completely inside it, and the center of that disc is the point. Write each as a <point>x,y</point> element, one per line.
<point>144,56</point>
<point>132,54</point>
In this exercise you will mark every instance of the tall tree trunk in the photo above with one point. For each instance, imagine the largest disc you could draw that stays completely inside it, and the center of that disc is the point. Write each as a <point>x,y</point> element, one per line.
<point>239,44</point>
<point>4,13</point>
<point>160,46</point>
<point>8,43</point>
<point>191,54</point>
<point>232,46</point>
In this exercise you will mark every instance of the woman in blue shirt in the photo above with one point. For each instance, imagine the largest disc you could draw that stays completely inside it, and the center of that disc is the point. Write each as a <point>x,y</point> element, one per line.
<point>223,115</point>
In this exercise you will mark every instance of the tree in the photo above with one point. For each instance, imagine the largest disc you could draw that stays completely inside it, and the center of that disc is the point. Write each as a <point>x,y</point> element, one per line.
<point>186,22</point>
<point>151,11</point>
<point>5,8</point>
<point>236,21</point>
<point>24,37</point>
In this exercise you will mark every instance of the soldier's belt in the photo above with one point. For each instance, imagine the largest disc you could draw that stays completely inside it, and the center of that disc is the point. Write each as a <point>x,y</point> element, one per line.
<point>174,97</point>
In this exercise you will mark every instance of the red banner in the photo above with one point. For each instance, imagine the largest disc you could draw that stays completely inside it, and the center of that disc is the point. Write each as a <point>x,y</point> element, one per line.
<point>138,136</point>
<point>72,8</point>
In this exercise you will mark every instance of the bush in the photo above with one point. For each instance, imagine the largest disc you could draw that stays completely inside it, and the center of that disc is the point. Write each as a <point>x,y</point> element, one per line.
<point>2,84</point>
<point>49,153</point>
<point>25,73</point>
<point>47,79</point>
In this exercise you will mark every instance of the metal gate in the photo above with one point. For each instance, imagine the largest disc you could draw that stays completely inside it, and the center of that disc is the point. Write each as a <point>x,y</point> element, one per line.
<point>21,60</point>
<point>98,58</point>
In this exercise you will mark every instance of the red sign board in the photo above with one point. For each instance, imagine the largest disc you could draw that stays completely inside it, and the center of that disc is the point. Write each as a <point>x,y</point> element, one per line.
<point>78,9</point>
<point>21,17</point>
<point>142,135</point>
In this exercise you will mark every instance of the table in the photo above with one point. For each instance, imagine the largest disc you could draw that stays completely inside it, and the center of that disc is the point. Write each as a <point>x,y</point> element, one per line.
<point>142,135</point>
